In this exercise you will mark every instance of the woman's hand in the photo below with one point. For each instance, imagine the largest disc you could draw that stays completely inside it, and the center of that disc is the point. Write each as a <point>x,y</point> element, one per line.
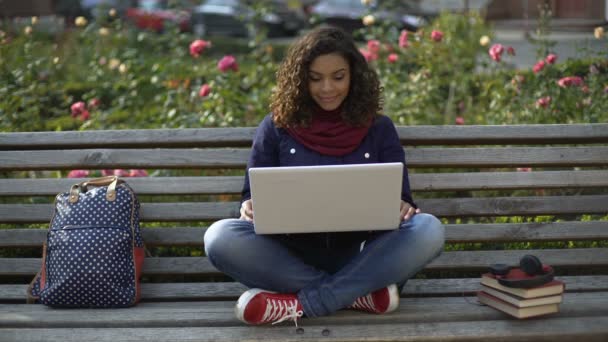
<point>407,211</point>
<point>247,211</point>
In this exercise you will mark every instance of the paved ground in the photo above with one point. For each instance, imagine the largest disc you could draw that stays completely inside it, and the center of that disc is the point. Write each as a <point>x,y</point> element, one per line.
<point>575,44</point>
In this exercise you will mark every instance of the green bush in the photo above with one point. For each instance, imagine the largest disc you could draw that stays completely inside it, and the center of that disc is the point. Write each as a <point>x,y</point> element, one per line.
<point>136,79</point>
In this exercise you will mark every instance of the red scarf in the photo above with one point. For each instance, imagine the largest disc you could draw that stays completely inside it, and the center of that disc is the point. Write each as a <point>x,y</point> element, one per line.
<point>328,134</point>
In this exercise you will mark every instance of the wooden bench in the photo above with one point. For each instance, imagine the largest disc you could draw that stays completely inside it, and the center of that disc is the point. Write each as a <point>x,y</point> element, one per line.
<point>465,175</point>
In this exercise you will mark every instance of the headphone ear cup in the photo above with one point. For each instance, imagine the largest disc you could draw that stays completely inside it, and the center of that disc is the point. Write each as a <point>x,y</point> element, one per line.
<point>531,265</point>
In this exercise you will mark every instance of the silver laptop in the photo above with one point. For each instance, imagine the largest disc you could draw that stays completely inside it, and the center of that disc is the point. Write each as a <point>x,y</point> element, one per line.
<point>334,198</point>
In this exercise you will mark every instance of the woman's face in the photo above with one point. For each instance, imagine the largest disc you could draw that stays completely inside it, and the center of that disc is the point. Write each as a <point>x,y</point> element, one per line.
<point>329,80</point>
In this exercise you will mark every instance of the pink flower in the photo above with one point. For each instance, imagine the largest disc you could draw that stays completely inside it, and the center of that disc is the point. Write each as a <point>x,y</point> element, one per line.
<point>198,46</point>
<point>94,103</point>
<point>205,90</point>
<point>570,81</point>
<point>543,102</point>
<point>138,173</point>
<point>403,43</point>
<point>496,51</point>
<point>459,120</point>
<point>227,62</point>
<point>437,35</point>
<point>121,173</point>
<point>373,46</point>
<point>78,174</point>
<point>511,51</point>
<point>551,58</point>
<point>524,169</point>
<point>392,58</point>
<point>107,172</point>
<point>540,65</point>
<point>368,55</point>
<point>77,108</point>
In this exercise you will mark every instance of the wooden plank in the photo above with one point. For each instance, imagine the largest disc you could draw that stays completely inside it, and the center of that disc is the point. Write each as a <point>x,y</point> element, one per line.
<point>452,260</point>
<point>146,138</point>
<point>124,158</point>
<point>152,212</point>
<point>232,290</point>
<point>503,134</point>
<point>508,180</point>
<point>242,136</point>
<point>237,158</point>
<point>481,232</point>
<point>209,185</point>
<point>449,207</point>
<point>553,328</point>
<point>430,309</point>
<point>527,232</point>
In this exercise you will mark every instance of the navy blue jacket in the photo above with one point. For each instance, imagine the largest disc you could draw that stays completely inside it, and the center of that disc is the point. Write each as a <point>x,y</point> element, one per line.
<point>273,146</point>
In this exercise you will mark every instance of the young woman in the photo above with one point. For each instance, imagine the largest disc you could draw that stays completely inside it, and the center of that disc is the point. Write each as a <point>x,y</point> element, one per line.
<point>325,110</point>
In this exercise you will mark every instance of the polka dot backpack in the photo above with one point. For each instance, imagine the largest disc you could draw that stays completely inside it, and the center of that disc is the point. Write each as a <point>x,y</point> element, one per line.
<point>94,252</point>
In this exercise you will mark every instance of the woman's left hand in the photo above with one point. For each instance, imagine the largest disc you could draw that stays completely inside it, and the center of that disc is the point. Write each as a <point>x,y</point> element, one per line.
<point>407,211</point>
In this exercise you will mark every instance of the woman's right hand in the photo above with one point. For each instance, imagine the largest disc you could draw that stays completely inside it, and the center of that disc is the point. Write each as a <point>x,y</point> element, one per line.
<point>247,211</point>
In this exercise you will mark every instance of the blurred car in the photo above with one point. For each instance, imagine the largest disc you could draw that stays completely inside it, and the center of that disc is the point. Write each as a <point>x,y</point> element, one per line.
<point>230,18</point>
<point>155,15</point>
<point>348,14</point>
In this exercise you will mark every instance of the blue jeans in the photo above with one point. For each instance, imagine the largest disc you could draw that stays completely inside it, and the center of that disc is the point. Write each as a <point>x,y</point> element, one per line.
<point>325,280</point>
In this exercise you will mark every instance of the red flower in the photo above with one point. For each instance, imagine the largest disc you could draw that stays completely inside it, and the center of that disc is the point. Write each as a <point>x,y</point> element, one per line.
<point>227,62</point>
<point>524,169</point>
<point>496,52</point>
<point>459,120</point>
<point>85,115</point>
<point>511,51</point>
<point>138,173</point>
<point>198,46</point>
<point>543,102</point>
<point>392,58</point>
<point>570,81</point>
<point>540,65</point>
<point>107,172</point>
<point>403,43</point>
<point>204,91</point>
<point>437,35</point>
<point>77,108</point>
<point>78,174</point>
<point>551,58</point>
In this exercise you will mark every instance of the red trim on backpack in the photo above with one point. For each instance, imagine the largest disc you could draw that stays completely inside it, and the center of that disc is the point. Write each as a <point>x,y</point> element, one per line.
<point>139,255</point>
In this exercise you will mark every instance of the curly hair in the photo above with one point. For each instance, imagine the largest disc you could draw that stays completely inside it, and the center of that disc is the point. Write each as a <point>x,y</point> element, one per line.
<point>291,103</point>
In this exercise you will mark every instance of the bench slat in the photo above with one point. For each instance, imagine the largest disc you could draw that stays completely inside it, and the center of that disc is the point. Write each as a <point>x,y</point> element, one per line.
<point>449,207</point>
<point>497,232</point>
<point>234,184</point>
<point>232,290</point>
<point>351,327</point>
<point>221,313</point>
<point>242,136</point>
<point>237,158</point>
<point>473,260</point>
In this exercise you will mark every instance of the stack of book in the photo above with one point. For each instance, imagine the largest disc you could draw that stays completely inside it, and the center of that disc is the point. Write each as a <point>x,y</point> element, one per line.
<point>519,302</point>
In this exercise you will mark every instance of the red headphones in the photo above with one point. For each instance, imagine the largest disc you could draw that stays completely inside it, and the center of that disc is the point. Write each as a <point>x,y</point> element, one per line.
<point>531,266</point>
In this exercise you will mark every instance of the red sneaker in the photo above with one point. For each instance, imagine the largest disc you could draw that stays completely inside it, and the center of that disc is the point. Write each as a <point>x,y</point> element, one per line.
<point>380,301</point>
<point>256,306</point>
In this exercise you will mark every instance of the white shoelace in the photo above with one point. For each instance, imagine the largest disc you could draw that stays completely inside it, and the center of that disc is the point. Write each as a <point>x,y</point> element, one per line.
<point>282,310</point>
<point>364,303</point>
